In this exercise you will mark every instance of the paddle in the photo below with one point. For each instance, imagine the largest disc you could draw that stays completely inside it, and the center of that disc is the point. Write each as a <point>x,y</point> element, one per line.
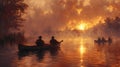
<point>60,42</point>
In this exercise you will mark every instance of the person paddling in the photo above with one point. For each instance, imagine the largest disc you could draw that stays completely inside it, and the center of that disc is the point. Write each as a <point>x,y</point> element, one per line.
<point>54,42</point>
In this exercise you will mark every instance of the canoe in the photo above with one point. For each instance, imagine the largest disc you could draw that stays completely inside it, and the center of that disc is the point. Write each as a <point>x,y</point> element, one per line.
<point>39,53</point>
<point>103,42</point>
<point>22,47</point>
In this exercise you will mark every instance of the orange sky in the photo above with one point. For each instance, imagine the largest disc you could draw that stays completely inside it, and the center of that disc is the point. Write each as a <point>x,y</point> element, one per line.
<point>54,15</point>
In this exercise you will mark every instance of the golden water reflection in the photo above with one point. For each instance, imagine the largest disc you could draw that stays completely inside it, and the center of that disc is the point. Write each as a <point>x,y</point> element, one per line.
<point>80,52</point>
<point>82,47</point>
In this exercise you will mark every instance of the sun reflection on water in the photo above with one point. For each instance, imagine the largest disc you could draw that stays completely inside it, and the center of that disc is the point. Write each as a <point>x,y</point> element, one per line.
<point>82,50</point>
<point>82,47</point>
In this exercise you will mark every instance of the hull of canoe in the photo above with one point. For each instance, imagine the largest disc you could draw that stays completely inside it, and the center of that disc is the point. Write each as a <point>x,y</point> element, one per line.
<point>36,48</point>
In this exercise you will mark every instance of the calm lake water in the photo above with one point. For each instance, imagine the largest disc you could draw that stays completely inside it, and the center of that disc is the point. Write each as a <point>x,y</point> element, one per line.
<point>79,52</point>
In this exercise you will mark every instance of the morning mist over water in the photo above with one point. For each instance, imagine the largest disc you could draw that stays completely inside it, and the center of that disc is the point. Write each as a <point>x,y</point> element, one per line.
<point>51,16</point>
<point>87,32</point>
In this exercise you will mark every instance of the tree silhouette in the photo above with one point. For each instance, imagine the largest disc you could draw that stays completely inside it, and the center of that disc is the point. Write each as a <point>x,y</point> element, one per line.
<point>11,12</point>
<point>111,27</point>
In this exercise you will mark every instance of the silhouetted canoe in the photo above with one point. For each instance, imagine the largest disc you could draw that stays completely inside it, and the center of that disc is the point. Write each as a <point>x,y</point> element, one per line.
<point>33,48</point>
<point>109,41</point>
<point>22,47</point>
<point>39,53</point>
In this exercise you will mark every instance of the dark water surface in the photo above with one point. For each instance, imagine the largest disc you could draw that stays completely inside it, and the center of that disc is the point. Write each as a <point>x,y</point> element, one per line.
<point>73,53</point>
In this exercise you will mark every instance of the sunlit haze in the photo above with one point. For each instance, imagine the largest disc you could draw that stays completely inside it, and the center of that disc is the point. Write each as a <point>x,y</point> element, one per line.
<point>48,16</point>
<point>59,33</point>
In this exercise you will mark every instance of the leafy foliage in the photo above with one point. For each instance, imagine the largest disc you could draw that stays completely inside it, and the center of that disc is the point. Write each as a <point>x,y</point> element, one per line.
<point>111,27</point>
<point>11,12</point>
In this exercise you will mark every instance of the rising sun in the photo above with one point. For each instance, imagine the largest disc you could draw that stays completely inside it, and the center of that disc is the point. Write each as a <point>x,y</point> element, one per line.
<point>82,26</point>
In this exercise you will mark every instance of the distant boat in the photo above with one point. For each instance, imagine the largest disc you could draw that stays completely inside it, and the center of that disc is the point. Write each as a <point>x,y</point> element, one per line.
<point>109,41</point>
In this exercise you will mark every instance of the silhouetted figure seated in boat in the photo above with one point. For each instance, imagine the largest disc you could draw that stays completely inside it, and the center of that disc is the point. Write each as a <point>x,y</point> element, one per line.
<point>103,40</point>
<point>98,40</point>
<point>40,42</point>
<point>109,40</point>
<point>54,42</point>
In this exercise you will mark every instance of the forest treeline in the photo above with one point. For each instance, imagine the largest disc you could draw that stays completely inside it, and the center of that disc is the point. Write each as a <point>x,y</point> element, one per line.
<point>11,12</point>
<point>110,27</point>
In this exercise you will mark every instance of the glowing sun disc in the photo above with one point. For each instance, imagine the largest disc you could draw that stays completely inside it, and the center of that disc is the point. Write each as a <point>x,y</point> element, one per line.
<point>82,26</point>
